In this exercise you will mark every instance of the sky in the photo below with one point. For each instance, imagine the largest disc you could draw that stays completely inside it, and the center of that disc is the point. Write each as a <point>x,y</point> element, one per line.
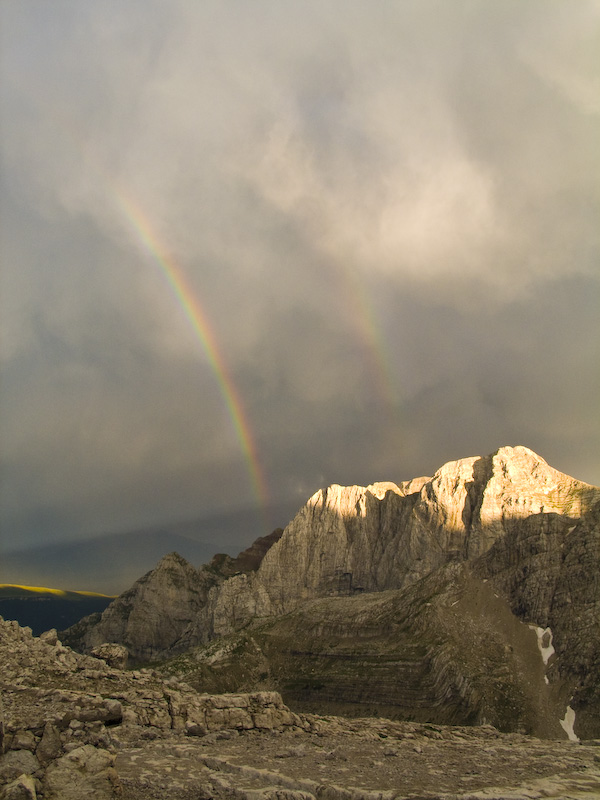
<point>252,249</point>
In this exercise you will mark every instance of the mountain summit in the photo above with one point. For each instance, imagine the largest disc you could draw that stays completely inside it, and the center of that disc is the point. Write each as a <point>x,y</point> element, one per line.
<point>492,554</point>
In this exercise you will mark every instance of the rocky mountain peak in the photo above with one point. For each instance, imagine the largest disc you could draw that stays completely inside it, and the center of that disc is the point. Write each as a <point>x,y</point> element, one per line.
<point>171,560</point>
<point>529,529</point>
<point>386,535</point>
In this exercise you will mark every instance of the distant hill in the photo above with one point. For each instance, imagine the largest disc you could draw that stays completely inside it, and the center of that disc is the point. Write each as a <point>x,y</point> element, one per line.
<point>105,564</point>
<point>40,608</point>
<point>111,562</point>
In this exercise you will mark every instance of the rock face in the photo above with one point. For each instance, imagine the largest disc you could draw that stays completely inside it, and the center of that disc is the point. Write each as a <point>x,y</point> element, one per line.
<point>447,648</point>
<point>548,569</point>
<point>530,531</point>
<point>152,619</point>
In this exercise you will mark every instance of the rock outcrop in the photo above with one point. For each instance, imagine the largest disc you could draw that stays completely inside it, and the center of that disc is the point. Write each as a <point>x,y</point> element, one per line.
<point>65,715</point>
<point>115,655</point>
<point>152,618</point>
<point>529,530</point>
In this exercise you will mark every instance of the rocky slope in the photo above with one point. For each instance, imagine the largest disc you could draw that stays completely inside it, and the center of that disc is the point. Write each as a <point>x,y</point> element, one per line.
<point>547,567</point>
<point>64,716</point>
<point>529,530</point>
<point>152,619</point>
<point>447,649</point>
<point>71,726</point>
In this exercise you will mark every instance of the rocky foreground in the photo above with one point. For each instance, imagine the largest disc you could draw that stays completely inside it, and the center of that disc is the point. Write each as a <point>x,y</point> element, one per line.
<point>73,727</point>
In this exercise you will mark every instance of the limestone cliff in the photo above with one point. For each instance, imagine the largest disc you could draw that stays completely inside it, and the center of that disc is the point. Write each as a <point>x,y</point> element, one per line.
<point>532,532</point>
<point>348,540</point>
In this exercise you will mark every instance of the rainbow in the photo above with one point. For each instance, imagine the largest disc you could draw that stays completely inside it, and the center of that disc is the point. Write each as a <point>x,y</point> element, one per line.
<point>369,334</point>
<point>190,304</point>
<point>364,316</point>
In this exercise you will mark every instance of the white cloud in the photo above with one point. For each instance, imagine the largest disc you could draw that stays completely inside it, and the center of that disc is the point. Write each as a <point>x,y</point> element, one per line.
<point>434,214</point>
<point>563,49</point>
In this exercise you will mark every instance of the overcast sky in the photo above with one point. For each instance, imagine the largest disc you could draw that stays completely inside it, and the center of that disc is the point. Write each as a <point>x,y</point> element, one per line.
<point>387,212</point>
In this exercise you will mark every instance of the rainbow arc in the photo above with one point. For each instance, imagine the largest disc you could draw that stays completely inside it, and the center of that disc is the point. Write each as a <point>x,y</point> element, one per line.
<point>189,303</point>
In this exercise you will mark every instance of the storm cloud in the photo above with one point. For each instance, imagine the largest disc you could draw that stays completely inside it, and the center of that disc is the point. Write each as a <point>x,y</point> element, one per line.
<point>388,213</point>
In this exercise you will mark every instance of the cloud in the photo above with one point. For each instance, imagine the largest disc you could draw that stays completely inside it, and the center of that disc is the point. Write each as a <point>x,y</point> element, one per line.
<point>563,52</point>
<point>394,141</point>
<point>387,212</point>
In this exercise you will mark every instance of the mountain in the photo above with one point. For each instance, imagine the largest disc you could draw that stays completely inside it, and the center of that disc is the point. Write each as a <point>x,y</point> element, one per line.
<point>151,617</point>
<point>41,608</point>
<point>505,526</point>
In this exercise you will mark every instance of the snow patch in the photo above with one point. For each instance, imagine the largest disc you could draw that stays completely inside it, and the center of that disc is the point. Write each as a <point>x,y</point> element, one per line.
<point>544,637</point>
<point>567,724</point>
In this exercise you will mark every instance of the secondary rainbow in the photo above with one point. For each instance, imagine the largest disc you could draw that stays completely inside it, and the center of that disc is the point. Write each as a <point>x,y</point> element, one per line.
<point>193,310</point>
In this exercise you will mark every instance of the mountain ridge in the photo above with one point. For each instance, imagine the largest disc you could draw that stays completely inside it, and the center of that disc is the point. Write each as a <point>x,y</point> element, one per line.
<point>528,529</point>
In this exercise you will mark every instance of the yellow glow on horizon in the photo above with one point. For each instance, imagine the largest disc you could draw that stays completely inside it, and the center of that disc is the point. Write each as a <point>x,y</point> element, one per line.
<point>58,592</point>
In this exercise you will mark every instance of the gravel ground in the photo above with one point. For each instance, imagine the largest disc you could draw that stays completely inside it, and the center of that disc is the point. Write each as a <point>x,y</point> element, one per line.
<point>359,760</point>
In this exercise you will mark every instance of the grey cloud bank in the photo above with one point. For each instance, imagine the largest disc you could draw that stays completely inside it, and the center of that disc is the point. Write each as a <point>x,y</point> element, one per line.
<point>387,212</point>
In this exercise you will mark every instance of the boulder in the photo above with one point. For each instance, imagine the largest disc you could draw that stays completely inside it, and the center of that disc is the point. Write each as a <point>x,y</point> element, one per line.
<point>23,788</point>
<point>115,655</point>
<point>86,772</point>
<point>50,746</point>
<point>16,763</point>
